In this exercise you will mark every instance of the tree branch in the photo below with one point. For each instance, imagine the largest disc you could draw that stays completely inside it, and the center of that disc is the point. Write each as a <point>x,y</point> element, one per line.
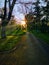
<point>11,9</point>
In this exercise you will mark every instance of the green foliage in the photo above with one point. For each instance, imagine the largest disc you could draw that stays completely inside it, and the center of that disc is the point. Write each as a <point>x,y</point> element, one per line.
<point>42,36</point>
<point>29,17</point>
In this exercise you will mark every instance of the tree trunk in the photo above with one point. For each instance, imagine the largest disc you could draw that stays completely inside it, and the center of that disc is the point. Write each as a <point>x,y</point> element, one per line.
<point>3,32</point>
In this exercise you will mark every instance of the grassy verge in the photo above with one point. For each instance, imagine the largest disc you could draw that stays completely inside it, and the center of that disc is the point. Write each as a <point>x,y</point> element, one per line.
<point>11,41</point>
<point>42,36</point>
<point>8,43</point>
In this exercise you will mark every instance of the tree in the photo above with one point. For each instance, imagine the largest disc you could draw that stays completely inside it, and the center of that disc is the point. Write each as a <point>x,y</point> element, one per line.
<point>37,13</point>
<point>5,18</point>
<point>45,20</point>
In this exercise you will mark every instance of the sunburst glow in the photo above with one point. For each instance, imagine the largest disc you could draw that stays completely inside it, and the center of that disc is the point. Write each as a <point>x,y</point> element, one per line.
<point>23,23</point>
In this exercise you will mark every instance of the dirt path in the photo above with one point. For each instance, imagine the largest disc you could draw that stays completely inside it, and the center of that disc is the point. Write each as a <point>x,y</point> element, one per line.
<point>30,52</point>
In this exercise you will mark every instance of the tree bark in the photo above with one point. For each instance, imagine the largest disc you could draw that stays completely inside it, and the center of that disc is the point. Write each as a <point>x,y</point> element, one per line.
<point>6,20</point>
<point>3,32</point>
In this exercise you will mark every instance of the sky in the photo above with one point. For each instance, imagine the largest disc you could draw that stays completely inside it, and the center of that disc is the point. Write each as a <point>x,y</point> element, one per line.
<point>18,12</point>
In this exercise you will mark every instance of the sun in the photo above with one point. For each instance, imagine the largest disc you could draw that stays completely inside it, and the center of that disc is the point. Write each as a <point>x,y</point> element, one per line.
<point>23,22</point>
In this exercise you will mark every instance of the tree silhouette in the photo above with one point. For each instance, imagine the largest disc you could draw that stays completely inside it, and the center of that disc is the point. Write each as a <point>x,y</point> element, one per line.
<point>5,18</point>
<point>45,20</point>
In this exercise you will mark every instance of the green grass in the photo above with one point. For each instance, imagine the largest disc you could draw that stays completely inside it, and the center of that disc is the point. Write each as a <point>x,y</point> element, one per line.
<point>13,36</point>
<point>8,43</point>
<point>42,36</point>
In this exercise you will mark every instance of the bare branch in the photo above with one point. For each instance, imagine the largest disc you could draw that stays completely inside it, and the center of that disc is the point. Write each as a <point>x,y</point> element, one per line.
<point>11,9</point>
